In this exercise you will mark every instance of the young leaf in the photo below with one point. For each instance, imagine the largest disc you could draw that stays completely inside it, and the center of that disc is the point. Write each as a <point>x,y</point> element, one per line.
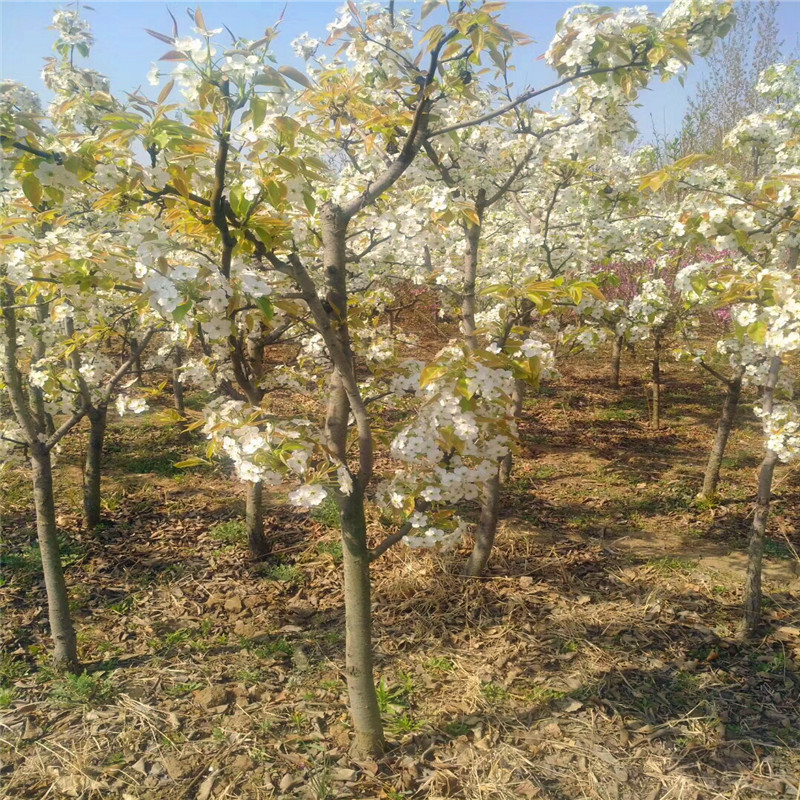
<point>296,76</point>
<point>160,36</point>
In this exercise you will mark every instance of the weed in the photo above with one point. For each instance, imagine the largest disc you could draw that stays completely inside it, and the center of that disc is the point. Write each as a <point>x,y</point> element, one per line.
<point>541,694</point>
<point>122,606</point>
<point>268,649</point>
<point>495,693</point>
<point>456,728</point>
<point>777,664</point>
<point>333,549</point>
<point>7,697</point>
<point>230,532</point>
<point>218,735</point>
<point>667,565</point>
<point>299,721</point>
<point>439,664</point>
<point>774,549</point>
<point>327,513</point>
<point>11,669</point>
<point>393,699</point>
<point>83,690</point>
<point>404,723</point>
<point>285,573</point>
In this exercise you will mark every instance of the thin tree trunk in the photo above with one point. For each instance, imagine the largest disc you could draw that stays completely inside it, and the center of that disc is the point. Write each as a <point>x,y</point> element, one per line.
<point>486,528</point>
<point>733,392</point>
<point>755,553</point>
<point>468,304</point>
<point>517,399</point>
<point>65,652</point>
<point>655,412</point>
<point>92,467</point>
<point>254,520</point>
<point>616,358</point>
<point>368,741</point>
<point>177,386</point>
<point>137,363</point>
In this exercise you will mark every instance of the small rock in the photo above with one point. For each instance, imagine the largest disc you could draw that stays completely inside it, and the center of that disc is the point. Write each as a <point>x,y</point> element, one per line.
<point>212,696</point>
<point>234,604</point>
<point>243,763</point>
<point>176,769</point>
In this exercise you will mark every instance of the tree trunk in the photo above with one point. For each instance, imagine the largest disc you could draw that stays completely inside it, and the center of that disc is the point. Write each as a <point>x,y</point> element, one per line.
<point>254,520</point>
<point>92,467</point>
<point>616,358</point>
<point>655,412</point>
<point>177,386</point>
<point>486,528</point>
<point>468,304</point>
<point>755,553</point>
<point>65,651</point>
<point>733,392</point>
<point>517,399</point>
<point>368,739</point>
<point>137,363</point>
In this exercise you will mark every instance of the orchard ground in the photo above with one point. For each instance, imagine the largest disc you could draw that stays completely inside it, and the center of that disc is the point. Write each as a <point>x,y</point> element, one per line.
<point>599,658</point>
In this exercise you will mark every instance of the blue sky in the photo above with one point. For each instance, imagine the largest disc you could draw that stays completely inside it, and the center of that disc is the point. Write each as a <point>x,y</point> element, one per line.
<point>124,52</point>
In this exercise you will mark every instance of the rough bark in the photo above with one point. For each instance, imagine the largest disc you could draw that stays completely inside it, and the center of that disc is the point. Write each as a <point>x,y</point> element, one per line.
<point>486,528</point>
<point>616,359</point>
<point>755,552</point>
<point>177,386</point>
<point>92,469</point>
<point>254,520</point>
<point>65,652</point>
<point>733,391</point>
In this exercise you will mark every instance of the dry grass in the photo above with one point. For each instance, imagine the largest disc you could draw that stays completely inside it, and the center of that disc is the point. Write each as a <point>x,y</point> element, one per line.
<point>599,658</point>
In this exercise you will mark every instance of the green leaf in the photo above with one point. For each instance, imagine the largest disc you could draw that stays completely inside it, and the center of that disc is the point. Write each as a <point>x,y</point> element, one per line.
<point>258,110</point>
<point>194,461</point>
<point>265,306</point>
<point>181,311</point>
<point>431,373</point>
<point>32,189</point>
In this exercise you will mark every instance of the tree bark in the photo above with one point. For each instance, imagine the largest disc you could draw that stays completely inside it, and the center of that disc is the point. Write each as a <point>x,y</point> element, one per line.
<point>368,741</point>
<point>468,304</point>
<point>254,520</point>
<point>137,362</point>
<point>65,652</point>
<point>517,400</point>
<point>486,528</point>
<point>733,392</point>
<point>177,386</point>
<point>92,469</point>
<point>616,359</point>
<point>655,412</point>
<point>755,552</point>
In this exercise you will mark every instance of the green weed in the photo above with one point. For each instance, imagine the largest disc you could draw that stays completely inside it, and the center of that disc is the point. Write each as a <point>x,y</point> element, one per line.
<point>83,690</point>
